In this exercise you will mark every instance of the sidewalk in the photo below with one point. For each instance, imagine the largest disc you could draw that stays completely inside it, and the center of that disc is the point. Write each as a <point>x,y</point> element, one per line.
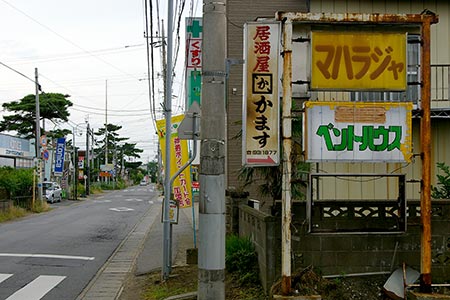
<point>141,253</point>
<point>150,259</point>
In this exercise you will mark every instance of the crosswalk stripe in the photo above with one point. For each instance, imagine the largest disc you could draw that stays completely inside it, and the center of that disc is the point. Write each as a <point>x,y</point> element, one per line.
<point>37,289</point>
<point>3,277</point>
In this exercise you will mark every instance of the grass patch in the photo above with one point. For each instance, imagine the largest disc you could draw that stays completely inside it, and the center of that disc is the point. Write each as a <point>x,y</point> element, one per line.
<point>40,206</point>
<point>182,280</point>
<point>12,213</point>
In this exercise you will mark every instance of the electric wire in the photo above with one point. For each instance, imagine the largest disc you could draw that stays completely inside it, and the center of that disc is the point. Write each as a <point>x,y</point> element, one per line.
<point>65,39</point>
<point>151,103</point>
<point>72,56</point>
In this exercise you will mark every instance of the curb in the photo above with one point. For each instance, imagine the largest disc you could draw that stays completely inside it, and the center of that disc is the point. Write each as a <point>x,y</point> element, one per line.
<point>107,284</point>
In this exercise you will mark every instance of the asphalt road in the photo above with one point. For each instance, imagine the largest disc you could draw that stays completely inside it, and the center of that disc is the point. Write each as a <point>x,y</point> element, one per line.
<point>54,255</point>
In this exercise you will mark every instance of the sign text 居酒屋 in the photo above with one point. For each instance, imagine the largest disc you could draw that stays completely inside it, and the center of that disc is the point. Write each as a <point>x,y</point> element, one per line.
<point>358,61</point>
<point>261,97</point>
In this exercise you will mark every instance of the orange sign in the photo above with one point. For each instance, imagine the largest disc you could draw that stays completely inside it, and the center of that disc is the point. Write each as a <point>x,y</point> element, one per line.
<point>358,61</point>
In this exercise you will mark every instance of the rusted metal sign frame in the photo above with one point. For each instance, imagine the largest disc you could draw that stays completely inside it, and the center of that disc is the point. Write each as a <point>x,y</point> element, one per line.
<point>424,21</point>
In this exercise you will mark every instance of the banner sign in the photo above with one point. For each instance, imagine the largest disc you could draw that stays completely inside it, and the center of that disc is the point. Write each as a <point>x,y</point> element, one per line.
<point>358,131</point>
<point>59,155</point>
<point>358,61</point>
<point>261,108</point>
<point>194,36</point>
<point>182,187</point>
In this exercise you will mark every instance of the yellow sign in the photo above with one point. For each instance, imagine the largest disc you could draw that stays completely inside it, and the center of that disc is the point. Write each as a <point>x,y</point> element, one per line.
<point>182,188</point>
<point>358,61</point>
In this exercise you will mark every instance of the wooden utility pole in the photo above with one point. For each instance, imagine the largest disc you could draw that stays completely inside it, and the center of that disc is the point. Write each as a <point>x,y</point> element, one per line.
<point>211,256</point>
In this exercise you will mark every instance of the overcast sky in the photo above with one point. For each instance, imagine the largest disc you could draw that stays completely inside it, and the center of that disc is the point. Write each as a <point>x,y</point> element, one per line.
<point>77,47</point>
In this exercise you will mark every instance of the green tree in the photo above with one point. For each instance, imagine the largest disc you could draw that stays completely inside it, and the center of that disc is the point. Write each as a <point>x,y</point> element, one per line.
<point>442,190</point>
<point>53,107</point>
<point>118,149</point>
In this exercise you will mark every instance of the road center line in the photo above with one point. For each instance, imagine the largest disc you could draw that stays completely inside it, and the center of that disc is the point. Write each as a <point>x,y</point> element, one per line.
<point>37,289</point>
<point>46,256</point>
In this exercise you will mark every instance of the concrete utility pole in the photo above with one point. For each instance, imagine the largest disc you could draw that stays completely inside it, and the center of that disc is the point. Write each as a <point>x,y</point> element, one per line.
<point>38,137</point>
<point>87,159</point>
<point>211,256</point>
<point>168,115</point>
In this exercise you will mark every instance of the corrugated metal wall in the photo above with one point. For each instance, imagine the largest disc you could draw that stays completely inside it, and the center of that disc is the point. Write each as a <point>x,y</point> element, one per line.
<point>440,32</point>
<point>239,12</point>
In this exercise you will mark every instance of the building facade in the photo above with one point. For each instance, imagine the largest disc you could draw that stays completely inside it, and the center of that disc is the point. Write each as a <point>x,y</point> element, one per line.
<point>16,152</point>
<point>239,12</point>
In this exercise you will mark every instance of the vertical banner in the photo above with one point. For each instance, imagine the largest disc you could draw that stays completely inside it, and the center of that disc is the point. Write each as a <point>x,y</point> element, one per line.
<point>182,187</point>
<point>261,108</point>
<point>59,156</point>
<point>194,28</point>
<point>80,167</point>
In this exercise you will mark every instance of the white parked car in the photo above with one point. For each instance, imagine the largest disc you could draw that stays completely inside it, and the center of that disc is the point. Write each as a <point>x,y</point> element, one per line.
<point>52,191</point>
<point>143,182</point>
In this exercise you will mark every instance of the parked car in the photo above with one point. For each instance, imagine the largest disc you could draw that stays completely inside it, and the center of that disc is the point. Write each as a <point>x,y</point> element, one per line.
<point>143,182</point>
<point>52,191</point>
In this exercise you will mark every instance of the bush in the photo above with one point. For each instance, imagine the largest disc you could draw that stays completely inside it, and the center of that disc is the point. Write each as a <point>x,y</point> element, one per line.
<point>241,259</point>
<point>442,191</point>
<point>17,182</point>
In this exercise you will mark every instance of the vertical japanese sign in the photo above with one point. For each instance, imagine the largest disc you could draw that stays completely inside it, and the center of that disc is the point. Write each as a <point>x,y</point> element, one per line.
<point>261,109</point>
<point>80,167</point>
<point>182,187</point>
<point>59,156</point>
<point>358,61</point>
<point>194,30</point>
<point>358,131</point>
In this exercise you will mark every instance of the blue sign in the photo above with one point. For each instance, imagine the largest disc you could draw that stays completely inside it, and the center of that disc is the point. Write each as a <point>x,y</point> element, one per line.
<point>59,155</point>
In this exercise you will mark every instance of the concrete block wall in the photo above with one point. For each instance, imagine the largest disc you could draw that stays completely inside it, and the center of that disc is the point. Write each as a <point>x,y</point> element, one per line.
<point>336,254</point>
<point>264,230</point>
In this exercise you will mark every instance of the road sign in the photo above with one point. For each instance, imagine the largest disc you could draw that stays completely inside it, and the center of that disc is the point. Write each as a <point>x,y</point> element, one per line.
<point>43,140</point>
<point>45,154</point>
<point>189,127</point>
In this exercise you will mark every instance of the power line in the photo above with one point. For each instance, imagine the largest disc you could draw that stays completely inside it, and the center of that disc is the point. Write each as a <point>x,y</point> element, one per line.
<point>114,115</point>
<point>64,38</point>
<point>21,74</point>
<point>68,56</point>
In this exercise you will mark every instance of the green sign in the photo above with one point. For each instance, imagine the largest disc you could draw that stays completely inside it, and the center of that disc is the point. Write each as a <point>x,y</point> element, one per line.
<point>194,87</point>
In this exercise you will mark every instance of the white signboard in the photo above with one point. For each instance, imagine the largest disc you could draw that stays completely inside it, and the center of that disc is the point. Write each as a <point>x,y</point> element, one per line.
<point>261,109</point>
<point>358,131</point>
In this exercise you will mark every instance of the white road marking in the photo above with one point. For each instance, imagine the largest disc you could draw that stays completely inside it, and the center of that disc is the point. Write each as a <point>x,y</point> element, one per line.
<point>134,199</point>
<point>121,209</point>
<point>37,289</point>
<point>46,256</point>
<point>3,277</point>
<point>102,201</point>
<point>151,202</point>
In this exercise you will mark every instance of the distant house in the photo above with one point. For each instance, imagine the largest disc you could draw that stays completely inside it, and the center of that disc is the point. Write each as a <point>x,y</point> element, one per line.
<point>16,152</point>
